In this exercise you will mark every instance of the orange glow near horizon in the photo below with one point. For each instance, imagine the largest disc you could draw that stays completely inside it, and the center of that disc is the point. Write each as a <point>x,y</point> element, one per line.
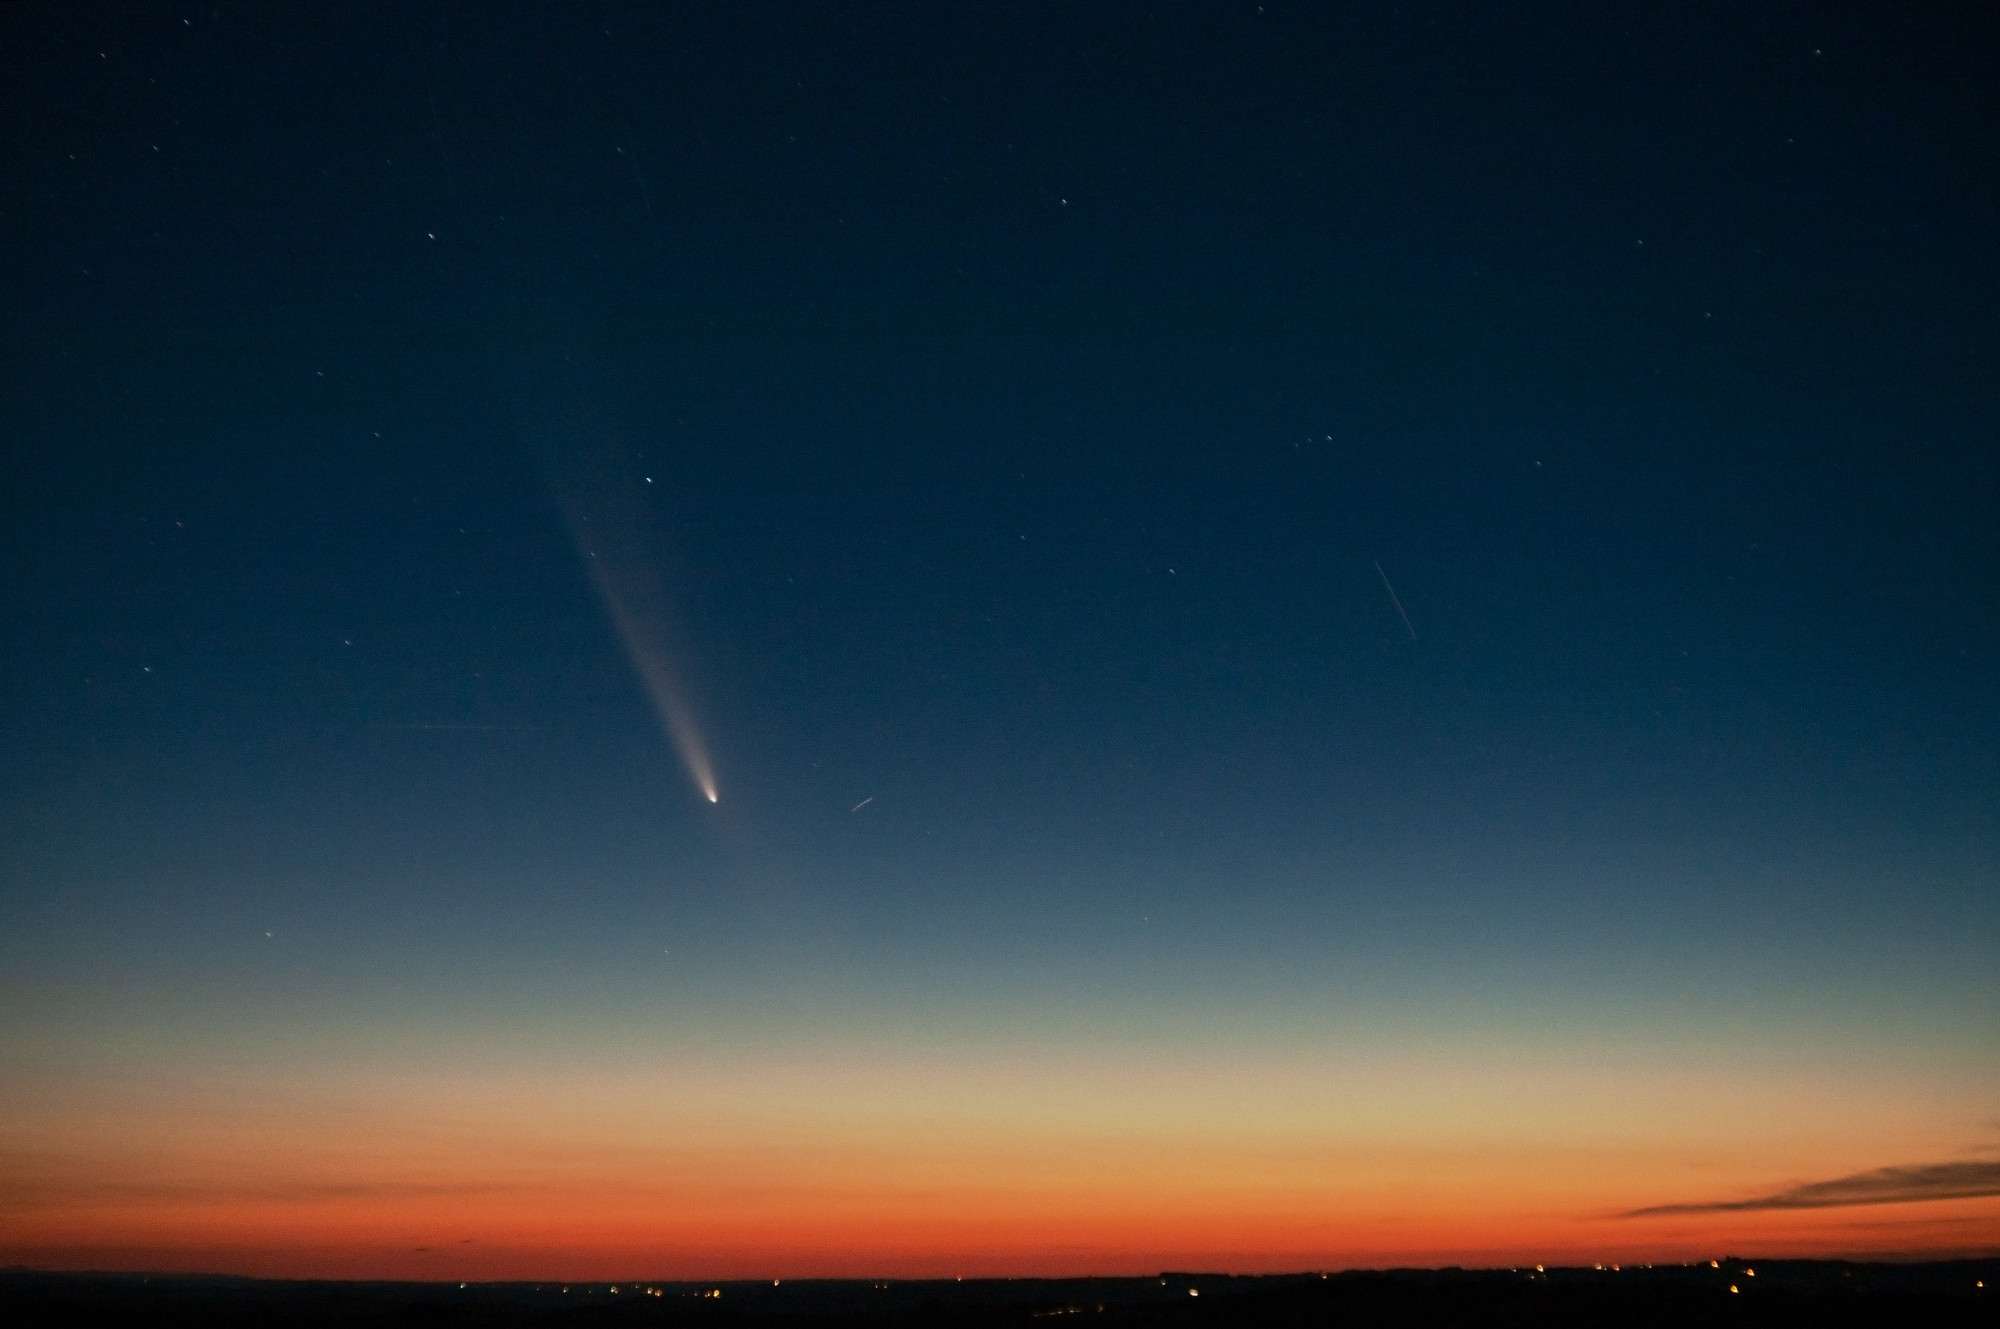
<point>929,1169</point>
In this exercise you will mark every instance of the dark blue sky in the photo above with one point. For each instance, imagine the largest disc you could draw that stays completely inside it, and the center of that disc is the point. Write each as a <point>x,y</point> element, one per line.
<point>1026,407</point>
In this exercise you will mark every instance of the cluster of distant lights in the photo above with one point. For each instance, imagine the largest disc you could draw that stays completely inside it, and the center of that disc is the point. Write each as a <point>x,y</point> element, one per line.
<point>641,1290</point>
<point>649,1290</point>
<point>1978,1284</point>
<point>1748,1272</point>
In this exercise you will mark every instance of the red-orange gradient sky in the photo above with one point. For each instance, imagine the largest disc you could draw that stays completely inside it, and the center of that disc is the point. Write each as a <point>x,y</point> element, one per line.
<point>757,638</point>
<point>960,1163</point>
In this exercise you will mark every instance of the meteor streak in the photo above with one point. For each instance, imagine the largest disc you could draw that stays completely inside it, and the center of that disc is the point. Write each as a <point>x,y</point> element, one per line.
<point>1394,601</point>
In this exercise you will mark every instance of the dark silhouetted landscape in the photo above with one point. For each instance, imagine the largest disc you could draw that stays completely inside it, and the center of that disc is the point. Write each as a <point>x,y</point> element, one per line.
<point>1733,1292</point>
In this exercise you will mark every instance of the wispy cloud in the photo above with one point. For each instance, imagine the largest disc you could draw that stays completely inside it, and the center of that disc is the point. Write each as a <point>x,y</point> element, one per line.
<point>1962,1180</point>
<point>44,1193</point>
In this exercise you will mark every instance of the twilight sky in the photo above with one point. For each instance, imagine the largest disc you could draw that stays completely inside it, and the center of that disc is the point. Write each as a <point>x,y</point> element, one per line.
<point>1321,635</point>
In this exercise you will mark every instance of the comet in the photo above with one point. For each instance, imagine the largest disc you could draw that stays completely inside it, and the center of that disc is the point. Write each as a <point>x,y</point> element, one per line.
<point>636,604</point>
<point>609,518</point>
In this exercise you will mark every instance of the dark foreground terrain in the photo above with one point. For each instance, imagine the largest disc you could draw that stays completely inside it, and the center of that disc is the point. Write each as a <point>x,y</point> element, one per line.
<point>1734,1292</point>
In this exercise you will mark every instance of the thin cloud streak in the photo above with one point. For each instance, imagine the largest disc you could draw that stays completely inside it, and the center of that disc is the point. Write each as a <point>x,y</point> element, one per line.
<point>1964,1180</point>
<point>40,1194</point>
